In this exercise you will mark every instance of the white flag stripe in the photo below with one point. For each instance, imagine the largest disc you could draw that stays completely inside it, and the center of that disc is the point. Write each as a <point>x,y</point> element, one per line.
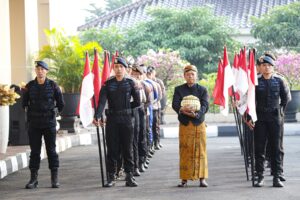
<point>85,108</point>
<point>228,82</point>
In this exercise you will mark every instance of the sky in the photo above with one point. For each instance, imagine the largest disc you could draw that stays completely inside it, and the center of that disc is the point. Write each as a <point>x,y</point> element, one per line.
<point>69,14</point>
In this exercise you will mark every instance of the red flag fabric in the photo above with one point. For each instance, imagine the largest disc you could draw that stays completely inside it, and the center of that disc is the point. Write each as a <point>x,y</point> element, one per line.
<point>251,108</point>
<point>86,111</point>
<point>235,71</point>
<point>242,79</point>
<point>218,90</point>
<point>113,61</point>
<point>105,69</point>
<point>97,81</point>
<point>228,82</point>
<point>242,82</point>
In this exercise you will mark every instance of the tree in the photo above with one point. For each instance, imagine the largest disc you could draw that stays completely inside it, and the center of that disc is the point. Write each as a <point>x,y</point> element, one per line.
<point>95,12</point>
<point>168,66</point>
<point>110,39</point>
<point>66,56</point>
<point>280,28</point>
<point>196,33</point>
<point>115,4</point>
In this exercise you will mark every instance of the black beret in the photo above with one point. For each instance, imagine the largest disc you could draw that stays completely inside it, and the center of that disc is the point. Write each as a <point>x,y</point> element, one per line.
<point>42,64</point>
<point>150,69</point>
<point>137,68</point>
<point>122,61</point>
<point>268,59</point>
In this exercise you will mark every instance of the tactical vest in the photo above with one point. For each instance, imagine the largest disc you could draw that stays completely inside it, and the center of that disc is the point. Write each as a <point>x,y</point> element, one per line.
<point>268,94</point>
<point>41,102</point>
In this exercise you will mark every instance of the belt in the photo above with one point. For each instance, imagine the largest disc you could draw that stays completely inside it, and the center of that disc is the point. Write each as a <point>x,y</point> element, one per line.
<point>40,114</point>
<point>266,110</point>
<point>118,112</point>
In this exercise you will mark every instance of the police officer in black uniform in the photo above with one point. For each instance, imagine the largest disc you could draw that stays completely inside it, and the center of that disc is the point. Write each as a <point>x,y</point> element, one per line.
<point>118,91</point>
<point>272,96</point>
<point>42,99</point>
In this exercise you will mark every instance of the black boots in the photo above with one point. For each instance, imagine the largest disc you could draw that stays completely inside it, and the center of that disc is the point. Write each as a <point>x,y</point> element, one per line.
<point>130,182</point>
<point>33,182</point>
<point>260,181</point>
<point>54,178</point>
<point>110,180</point>
<point>141,167</point>
<point>136,172</point>
<point>277,182</point>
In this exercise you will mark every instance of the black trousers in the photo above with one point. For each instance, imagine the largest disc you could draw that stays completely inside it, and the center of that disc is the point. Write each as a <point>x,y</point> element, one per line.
<point>142,140</point>
<point>268,131</point>
<point>119,140</point>
<point>268,149</point>
<point>35,142</point>
<point>156,127</point>
<point>136,138</point>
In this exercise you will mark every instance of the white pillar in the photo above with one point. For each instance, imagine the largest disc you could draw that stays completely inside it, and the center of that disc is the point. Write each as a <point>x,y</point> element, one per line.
<point>5,64</point>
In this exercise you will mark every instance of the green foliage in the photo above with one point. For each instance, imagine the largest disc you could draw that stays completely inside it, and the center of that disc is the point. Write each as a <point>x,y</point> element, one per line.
<point>95,12</point>
<point>280,28</point>
<point>110,39</point>
<point>209,81</point>
<point>66,56</point>
<point>168,66</point>
<point>196,33</point>
<point>115,4</point>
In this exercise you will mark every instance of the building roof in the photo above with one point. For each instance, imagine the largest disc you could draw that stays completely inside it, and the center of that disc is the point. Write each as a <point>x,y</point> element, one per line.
<point>237,11</point>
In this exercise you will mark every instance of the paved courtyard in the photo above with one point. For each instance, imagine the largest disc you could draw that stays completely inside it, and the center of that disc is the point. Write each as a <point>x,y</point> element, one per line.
<point>80,176</point>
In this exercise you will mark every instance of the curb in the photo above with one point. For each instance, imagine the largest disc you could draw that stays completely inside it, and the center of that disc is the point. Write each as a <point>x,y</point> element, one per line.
<point>225,130</point>
<point>88,137</point>
<point>21,160</point>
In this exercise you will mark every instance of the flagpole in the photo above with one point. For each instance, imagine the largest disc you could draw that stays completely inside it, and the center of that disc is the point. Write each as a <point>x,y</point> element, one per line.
<point>252,142</point>
<point>103,131</point>
<point>239,129</point>
<point>99,146</point>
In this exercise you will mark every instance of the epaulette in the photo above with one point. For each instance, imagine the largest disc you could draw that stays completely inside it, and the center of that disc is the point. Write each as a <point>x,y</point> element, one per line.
<point>280,76</point>
<point>130,78</point>
<point>109,78</point>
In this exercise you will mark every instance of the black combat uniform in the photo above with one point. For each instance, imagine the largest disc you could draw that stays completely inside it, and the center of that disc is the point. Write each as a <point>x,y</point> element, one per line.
<point>120,123</point>
<point>41,102</point>
<point>272,96</point>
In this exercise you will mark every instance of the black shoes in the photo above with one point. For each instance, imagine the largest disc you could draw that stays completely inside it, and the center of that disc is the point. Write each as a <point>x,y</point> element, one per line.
<point>277,182</point>
<point>260,182</point>
<point>54,179</point>
<point>282,178</point>
<point>183,183</point>
<point>203,183</point>
<point>110,180</point>
<point>136,172</point>
<point>33,182</point>
<point>142,168</point>
<point>130,182</point>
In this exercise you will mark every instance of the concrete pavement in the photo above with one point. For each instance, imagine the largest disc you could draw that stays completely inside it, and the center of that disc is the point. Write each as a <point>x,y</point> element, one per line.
<point>80,176</point>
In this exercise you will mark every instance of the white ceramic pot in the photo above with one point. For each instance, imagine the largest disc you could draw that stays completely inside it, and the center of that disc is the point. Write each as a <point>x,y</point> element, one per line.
<point>4,128</point>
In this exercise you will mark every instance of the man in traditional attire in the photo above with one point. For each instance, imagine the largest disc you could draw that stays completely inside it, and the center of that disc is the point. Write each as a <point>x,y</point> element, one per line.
<point>190,101</point>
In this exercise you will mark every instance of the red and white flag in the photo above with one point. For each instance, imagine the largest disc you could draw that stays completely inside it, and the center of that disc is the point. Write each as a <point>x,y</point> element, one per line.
<point>218,90</point>
<point>86,110</point>
<point>105,69</point>
<point>97,81</point>
<point>228,82</point>
<point>252,82</point>
<point>242,78</point>
<point>242,84</point>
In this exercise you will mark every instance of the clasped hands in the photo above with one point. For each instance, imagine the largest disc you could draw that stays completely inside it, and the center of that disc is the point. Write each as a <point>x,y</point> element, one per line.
<point>188,110</point>
<point>99,122</point>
